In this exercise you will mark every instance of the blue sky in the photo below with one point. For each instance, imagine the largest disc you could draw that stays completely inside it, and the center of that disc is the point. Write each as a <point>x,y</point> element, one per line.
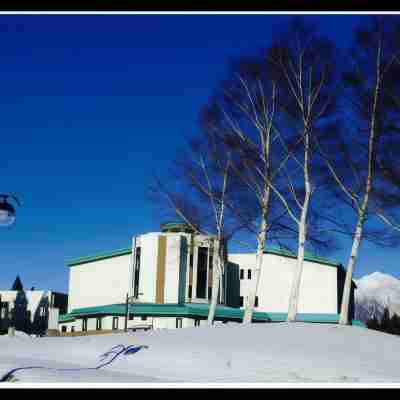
<point>91,106</point>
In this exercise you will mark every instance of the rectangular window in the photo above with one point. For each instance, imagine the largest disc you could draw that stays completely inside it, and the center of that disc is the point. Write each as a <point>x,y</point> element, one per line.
<point>144,318</point>
<point>137,273</point>
<point>242,274</point>
<point>190,291</point>
<point>115,323</point>
<point>84,324</point>
<point>209,293</point>
<point>241,301</point>
<point>64,329</point>
<point>98,324</point>
<point>130,317</point>
<point>179,323</point>
<point>249,274</point>
<point>72,329</point>
<point>201,283</point>
<point>196,322</point>
<point>256,304</point>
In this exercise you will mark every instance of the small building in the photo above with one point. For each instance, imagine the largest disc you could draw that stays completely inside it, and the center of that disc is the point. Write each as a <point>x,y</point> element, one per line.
<point>167,277</point>
<point>31,311</point>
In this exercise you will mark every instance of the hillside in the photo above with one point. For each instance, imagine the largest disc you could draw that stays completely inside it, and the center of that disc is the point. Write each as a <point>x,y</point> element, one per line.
<point>266,353</point>
<point>374,292</point>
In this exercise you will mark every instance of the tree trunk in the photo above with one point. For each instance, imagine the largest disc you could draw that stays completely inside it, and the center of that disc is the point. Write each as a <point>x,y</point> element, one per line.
<point>344,309</point>
<point>217,274</point>
<point>295,290</point>
<point>249,305</point>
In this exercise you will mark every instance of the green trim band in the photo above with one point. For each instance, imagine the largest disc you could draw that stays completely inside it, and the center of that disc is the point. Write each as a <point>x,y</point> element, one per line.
<point>125,251</point>
<point>307,257</point>
<point>103,256</point>
<point>193,310</point>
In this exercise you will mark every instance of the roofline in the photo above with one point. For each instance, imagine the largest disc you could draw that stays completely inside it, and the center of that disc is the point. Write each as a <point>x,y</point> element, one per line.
<point>306,258</point>
<point>97,257</point>
<point>128,250</point>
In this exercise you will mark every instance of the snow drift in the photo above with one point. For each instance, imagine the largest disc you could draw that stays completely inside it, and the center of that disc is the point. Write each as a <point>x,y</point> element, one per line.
<point>267,353</point>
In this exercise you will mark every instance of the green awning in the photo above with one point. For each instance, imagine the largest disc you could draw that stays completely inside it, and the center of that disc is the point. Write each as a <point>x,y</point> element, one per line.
<point>197,310</point>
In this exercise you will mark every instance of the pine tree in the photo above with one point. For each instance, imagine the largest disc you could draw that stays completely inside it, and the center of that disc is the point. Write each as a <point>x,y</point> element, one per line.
<point>395,322</point>
<point>373,324</point>
<point>386,325</point>
<point>17,285</point>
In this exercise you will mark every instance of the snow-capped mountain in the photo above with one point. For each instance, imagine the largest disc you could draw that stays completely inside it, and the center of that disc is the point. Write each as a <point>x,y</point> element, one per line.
<point>375,292</point>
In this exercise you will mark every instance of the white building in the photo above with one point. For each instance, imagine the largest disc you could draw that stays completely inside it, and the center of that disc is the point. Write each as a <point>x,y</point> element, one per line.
<point>31,311</point>
<point>169,276</point>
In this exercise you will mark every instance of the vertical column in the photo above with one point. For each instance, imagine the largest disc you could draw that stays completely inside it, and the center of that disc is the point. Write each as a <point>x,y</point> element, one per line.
<point>161,255</point>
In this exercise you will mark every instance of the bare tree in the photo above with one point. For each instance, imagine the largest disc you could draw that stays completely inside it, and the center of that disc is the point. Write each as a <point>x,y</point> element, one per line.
<point>204,201</point>
<point>302,64</point>
<point>265,114</point>
<point>241,116</point>
<point>356,159</point>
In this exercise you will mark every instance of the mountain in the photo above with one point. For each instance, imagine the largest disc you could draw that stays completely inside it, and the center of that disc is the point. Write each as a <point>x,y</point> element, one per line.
<point>375,292</point>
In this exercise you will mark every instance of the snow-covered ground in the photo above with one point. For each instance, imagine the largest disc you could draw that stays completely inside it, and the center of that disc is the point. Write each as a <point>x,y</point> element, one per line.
<point>264,353</point>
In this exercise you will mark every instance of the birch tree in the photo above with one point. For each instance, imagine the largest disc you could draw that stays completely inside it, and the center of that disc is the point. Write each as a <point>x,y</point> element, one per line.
<point>243,111</point>
<point>255,115</point>
<point>302,65</point>
<point>356,160</point>
<point>203,201</point>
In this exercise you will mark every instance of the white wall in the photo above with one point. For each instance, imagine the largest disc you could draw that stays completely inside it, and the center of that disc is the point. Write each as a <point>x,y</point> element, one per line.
<point>318,289</point>
<point>99,282</point>
<point>148,267</point>
<point>172,265</point>
<point>164,323</point>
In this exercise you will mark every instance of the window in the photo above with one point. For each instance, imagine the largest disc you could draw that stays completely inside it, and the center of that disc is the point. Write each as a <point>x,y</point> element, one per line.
<point>209,293</point>
<point>241,301</point>
<point>249,274</point>
<point>137,273</point>
<point>196,322</point>
<point>202,256</point>
<point>64,329</point>
<point>115,323</point>
<point>190,291</point>
<point>84,324</point>
<point>144,318</point>
<point>256,304</point>
<point>130,317</point>
<point>179,323</point>
<point>98,324</point>
<point>242,274</point>
<point>72,329</point>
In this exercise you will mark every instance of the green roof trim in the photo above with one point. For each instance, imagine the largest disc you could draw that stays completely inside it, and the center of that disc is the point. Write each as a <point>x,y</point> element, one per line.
<point>277,251</point>
<point>97,257</point>
<point>307,256</point>
<point>66,318</point>
<point>196,310</point>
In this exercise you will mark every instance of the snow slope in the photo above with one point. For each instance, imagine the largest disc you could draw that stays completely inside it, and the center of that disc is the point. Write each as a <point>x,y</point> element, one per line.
<point>374,292</point>
<point>267,353</point>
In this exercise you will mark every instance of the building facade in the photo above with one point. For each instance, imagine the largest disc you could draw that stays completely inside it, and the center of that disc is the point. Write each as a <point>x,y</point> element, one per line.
<point>31,311</point>
<point>167,277</point>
